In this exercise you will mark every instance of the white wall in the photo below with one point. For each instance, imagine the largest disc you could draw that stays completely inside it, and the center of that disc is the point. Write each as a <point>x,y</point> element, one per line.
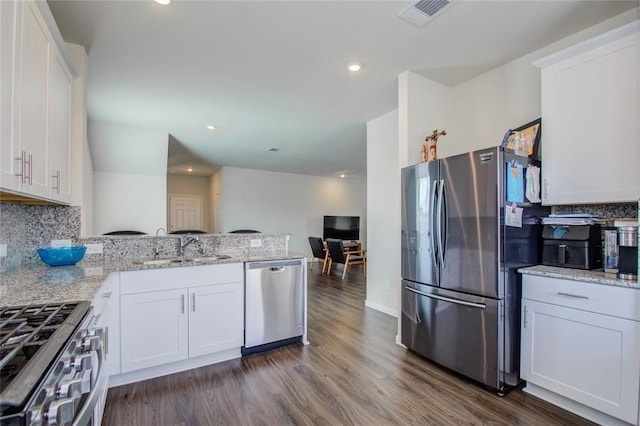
<point>383,214</point>
<point>81,165</point>
<point>215,200</point>
<point>289,203</point>
<point>191,185</point>
<point>118,148</point>
<point>422,108</point>
<point>130,177</point>
<point>129,202</point>
<point>482,109</point>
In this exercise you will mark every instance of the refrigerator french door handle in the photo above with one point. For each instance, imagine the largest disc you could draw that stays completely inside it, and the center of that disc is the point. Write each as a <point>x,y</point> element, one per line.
<point>442,233</point>
<point>447,299</point>
<point>432,228</point>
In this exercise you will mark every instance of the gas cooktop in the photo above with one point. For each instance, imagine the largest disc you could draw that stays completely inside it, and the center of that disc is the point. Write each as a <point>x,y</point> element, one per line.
<point>31,337</point>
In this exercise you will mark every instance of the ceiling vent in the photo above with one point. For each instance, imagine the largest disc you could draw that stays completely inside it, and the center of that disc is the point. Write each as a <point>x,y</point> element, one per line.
<point>423,11</point>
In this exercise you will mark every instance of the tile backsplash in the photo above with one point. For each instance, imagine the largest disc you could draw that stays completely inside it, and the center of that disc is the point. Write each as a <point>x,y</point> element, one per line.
<point>24,228</point>
<point>605,211</point>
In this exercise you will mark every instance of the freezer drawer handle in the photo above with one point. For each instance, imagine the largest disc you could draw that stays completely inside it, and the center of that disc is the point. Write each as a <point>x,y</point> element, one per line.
<point>448,299</point>
<point>578,296</point>
<point>280,269</point>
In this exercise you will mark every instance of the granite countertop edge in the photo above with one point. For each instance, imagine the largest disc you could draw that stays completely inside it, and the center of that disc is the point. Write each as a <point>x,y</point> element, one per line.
<point>590,276</point>
<point>37,284</point>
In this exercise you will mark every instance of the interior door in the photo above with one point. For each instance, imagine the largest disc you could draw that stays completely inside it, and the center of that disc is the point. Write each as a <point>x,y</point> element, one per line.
<point>470,217</point>
<point>185,212</point>
<point>418,248</point>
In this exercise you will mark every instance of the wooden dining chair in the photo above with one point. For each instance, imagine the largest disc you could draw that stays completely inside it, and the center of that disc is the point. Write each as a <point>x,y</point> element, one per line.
<point>319,252</point>
<point>337,254</point>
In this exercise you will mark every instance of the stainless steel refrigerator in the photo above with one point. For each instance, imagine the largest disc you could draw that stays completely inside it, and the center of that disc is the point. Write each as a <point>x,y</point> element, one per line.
<point>460,286</point>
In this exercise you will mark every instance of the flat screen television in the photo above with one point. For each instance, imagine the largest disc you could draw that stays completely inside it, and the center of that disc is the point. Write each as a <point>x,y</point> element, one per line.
<point>341,227</point>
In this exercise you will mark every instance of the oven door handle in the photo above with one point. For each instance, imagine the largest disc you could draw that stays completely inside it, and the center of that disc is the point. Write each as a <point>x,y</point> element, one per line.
<point>84,416</point>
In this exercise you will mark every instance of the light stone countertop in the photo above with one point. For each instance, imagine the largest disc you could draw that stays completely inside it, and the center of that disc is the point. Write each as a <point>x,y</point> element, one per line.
<point>45,284</point>
<point>594,276</point>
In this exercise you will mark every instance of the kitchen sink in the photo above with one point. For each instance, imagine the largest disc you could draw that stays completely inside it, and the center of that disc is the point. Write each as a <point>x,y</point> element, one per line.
<point>176,260</point>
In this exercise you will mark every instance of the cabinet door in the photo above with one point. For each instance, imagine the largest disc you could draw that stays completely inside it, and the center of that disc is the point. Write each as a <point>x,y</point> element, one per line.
<point>216,320</point>
<point>106,309</point>
<point>31,96</point>
<point>58,116</point>
<point>590,139</point>
<point>8,164</point>
<point>590,358</point>
<point>153,329</point>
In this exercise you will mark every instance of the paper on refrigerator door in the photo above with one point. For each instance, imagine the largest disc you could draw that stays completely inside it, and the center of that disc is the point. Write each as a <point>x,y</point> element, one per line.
<point>515,182</point>
<point>513,216</point>
<point>533,183</point>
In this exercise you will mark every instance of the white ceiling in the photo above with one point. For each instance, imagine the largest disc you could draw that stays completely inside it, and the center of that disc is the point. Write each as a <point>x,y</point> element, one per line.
<point>272,74</point>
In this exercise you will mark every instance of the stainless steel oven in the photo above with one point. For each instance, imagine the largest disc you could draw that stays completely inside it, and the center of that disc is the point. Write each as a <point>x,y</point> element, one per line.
<point>51,365</point>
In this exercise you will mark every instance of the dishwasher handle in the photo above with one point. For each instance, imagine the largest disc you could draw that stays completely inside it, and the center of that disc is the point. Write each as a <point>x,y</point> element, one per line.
<point>273,265</point>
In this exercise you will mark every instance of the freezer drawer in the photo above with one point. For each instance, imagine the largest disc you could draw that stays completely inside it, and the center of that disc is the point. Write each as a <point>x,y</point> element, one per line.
<point>456,330</point>
<point>274,301</point>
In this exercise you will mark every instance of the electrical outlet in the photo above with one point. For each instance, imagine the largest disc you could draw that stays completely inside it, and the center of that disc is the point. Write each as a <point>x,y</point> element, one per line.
<point>94,271</point>
<point>3,250</point>
<point>60,243</point>
<point>255,243</point>
<point>387,285</point>
<point>93,248</point>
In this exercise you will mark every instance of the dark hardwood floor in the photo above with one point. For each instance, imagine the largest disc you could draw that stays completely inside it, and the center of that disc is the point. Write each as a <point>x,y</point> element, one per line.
<point>351,373</point>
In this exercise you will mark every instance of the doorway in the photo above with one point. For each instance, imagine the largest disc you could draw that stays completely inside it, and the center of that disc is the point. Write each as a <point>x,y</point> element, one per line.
<point>185,212</point>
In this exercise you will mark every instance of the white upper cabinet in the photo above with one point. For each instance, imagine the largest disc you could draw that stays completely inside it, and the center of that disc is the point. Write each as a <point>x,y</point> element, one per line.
<point>36,102</point>
<point>590,137</point>
<point>59,136</point>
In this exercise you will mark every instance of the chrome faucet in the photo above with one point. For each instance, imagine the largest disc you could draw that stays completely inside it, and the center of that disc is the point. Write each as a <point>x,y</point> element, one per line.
<point>185,241</point>
<point>156,252</point>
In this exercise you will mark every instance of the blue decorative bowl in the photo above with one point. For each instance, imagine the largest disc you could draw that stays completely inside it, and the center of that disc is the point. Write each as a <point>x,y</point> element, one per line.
<point>61,256</point>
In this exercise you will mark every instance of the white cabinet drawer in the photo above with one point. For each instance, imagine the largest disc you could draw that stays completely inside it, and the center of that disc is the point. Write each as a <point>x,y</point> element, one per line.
<point>621,302</point>
<point>183,277</point>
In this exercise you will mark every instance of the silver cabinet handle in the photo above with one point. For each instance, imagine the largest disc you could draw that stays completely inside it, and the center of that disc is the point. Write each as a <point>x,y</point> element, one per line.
<point>182,304</point>
<point>577,296</point>
<point>448,299</point>
<point>57,185</point>
<point>193,302</point>
<point>107,294</point>
<point>30,177</point>
<point>23,162</point>
<point>524,322</point>
<point>546,189</point>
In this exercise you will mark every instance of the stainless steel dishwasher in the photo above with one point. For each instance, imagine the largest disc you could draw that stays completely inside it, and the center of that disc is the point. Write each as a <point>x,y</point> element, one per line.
<point>274,304</point>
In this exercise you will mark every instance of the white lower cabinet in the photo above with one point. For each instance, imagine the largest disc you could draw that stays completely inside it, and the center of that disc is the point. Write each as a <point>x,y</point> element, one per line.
<point>178,318</point>
<point>216,318</point>
<point>581,344</point>
<point>105,314</point>
<point>154,329</point>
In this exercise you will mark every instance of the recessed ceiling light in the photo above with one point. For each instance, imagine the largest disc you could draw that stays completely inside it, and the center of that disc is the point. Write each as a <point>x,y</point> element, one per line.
<point>354,66</point>
<point>189,169</point>
<point>211,127</point>
<point>163,2</point>
<point>342,175</point>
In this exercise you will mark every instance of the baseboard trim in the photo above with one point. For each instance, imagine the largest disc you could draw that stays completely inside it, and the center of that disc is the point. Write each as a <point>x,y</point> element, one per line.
<point>381,308</point>
<point>174,367</point>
